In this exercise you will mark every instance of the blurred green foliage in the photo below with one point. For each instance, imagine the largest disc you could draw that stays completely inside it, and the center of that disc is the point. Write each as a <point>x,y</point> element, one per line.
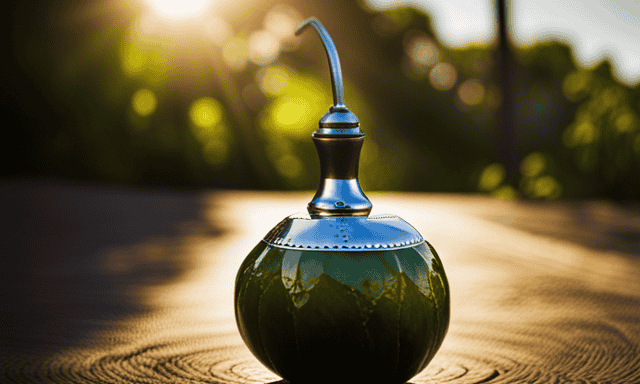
<point>92,97</point>
<point>598,153</point>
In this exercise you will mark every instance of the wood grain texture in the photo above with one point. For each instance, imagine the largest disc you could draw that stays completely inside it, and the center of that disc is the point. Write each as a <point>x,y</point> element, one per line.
<point>124,286</point>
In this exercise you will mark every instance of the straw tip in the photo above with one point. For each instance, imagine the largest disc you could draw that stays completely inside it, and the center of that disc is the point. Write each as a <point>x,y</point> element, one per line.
<point>304,24</point>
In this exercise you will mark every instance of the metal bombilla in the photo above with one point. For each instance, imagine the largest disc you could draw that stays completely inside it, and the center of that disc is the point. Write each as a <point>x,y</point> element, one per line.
<point>338,141</point>
<point>338,295</point>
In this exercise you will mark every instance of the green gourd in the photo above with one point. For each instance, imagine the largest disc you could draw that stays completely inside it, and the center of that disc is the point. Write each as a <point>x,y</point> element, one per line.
<point>339,295</point>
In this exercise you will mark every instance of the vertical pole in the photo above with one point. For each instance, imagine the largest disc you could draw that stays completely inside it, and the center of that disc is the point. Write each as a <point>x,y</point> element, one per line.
<point>507,140</point>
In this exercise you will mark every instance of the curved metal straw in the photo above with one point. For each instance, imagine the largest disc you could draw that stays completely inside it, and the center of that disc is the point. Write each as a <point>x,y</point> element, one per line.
<point>334,62</point>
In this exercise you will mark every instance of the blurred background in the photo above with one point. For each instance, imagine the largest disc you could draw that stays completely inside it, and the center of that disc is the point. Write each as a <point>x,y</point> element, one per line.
<point>539,100</point>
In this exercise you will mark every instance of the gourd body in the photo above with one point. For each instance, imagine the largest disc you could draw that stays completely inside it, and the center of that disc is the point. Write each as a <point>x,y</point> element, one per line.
<point>330,316</point>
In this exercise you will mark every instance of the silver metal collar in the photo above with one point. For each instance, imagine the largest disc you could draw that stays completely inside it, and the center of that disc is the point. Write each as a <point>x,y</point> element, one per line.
<point>344,233</point>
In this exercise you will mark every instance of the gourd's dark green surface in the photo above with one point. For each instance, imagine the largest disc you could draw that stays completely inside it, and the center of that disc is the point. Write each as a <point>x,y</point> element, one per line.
<point>339,296</point>
<point>343,317</point>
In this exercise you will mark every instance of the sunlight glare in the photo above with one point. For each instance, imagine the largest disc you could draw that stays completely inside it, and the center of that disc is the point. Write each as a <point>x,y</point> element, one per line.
<point>533,165</point>
<point>420,48</point>
<point>273,80</point>
<point>281,23</point>
<point>144,102</point>
<point>235,53</point>
<point>218,30</point>
<point>471,92</point>
<point>292,113</point>
<point>443,76</point>
<point>547,186</point>
<point>133,58</point>
<point>491,177</point>
<point>264,47</point>
<point>625,122</point>
<point>505,192</point>
<point>206,112</point>
<point>178,9</point>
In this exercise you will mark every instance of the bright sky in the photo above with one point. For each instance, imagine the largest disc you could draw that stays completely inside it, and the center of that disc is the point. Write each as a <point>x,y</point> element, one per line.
<point>594,28</point>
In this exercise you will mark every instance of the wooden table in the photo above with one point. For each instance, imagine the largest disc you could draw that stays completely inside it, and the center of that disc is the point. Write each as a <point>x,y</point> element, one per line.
<point>107,285</point>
